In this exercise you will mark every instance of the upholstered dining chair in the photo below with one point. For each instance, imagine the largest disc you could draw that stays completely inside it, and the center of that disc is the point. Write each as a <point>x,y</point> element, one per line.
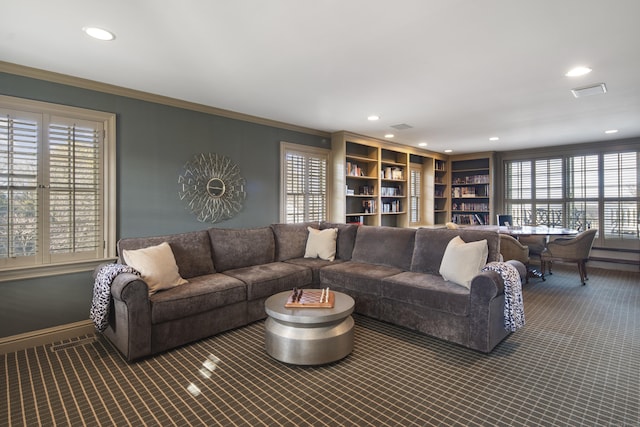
<point>511,248</point>
<point>576,250</point>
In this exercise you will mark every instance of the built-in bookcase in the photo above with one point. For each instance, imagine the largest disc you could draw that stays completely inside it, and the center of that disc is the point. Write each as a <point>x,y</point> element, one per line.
<point>372,182</point>
<point>362,184</point>
<point>440,192</point>
<point>471,190</point>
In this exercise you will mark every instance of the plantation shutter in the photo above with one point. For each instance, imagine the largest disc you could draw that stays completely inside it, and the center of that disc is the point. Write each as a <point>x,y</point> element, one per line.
<point>19,135</point>
<point>295,188</point>
<point>305,185</point>
<point>621,198</point>
<point>416,185</point>
<point>317,189</point>
<point>518,180</point>
<point>549,179</point>
<point>74,187</point>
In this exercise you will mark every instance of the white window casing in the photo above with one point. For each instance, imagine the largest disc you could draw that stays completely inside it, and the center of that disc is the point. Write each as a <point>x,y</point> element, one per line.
<point>57,188</point>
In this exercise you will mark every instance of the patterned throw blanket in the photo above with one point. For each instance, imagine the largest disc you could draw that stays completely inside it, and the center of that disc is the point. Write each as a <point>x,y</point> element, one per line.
<point>513,305</point>
<point>99,312</point>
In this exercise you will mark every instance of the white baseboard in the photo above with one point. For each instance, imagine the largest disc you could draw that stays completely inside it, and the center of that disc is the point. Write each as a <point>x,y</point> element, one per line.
<point>46,336</point>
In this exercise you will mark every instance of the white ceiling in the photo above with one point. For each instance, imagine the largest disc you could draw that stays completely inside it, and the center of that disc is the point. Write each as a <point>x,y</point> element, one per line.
<point>457,71</point>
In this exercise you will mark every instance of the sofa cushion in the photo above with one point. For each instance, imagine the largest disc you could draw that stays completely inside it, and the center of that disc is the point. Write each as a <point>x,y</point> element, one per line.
<point>431,243</point>
<point>388,246</point>
<point>234,249</point>
<point>201,294</point>
<point>463,261</point>
<point>427,290</point>
<point>321,244</point>
<point>315,264</point>
<point>291,239</point>
<point>346,238</point>
<point>267,279</point>
<point>192,251</point>
<point>357,276</point>
<point>157,266</point>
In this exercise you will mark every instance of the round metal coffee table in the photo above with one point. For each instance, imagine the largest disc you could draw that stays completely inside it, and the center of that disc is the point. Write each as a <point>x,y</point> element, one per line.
<point>308,336</point>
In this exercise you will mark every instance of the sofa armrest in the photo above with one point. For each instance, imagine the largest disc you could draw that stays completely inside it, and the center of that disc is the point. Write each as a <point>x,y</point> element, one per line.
<point>130,320</point>
<point>129,287</point>
<point>485,287</point>
<point>486,311</point>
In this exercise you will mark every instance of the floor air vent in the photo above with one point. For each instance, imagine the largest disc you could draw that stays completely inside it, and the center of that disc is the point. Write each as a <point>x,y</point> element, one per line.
<point>67,345</point>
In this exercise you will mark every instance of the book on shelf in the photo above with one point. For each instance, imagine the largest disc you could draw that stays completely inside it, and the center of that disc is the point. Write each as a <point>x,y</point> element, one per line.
<point>391,191</point>
<point>369,206</point>
<point>470,219</point>
<point>367,190</point>
<point>393,206</point>
<point>392,173</point>
<point>472,179</point>
<point>470,206</point>
<point>353,169</point>
<point>355,220</point>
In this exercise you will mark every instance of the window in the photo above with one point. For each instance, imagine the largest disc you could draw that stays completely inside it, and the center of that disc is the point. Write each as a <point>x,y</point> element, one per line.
<point>596,190</point>
<point>303,184</point>
<point>56,168</point>
<point>415,187</point>
<point>621,198</point>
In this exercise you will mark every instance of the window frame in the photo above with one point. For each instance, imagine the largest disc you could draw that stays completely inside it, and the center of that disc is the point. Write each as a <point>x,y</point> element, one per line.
<point>604,240</point>
<point>307,152</point>
<point>48,266</point>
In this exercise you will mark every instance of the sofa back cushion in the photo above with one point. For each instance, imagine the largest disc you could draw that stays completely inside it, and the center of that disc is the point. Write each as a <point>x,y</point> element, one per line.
<point>431,244</point>
<point>390,246</point>
<point>291,239</point>
<point>346,238</point>
<point>192,251</point>
<point>237,248</point>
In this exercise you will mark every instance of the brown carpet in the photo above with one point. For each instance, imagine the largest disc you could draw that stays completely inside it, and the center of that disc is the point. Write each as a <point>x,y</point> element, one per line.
<point>576,362</point>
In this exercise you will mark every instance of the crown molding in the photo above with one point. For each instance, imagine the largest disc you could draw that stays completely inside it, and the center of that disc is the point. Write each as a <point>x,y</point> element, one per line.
<point>50,76</point>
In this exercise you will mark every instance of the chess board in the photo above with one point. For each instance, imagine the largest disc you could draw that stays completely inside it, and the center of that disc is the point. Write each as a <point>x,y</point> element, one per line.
<point>310,298</point>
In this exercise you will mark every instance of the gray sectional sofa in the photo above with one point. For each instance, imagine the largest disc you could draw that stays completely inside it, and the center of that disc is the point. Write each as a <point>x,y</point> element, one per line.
<point>392,273</point>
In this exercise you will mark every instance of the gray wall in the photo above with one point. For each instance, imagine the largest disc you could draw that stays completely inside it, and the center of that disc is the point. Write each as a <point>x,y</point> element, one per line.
<point>154,142</point>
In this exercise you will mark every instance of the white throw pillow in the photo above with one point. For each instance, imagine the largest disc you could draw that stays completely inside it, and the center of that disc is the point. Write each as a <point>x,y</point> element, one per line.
<point>156,265</point>
<point>321,244</point>
<point>463,261</point>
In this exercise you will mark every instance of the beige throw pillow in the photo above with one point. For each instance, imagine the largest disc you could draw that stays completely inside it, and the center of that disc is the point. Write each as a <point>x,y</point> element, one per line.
<point>463,261</point>
<point>321,243</point>
<point>156,265</point>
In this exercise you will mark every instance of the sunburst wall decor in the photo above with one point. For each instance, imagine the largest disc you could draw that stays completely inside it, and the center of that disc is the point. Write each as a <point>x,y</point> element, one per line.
<point>212,187</point>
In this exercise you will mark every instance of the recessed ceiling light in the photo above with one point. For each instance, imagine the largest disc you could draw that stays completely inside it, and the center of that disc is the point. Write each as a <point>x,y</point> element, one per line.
<point>423,144</point>
<point>611,131</point>
<point>373,118</point>
<point>578,71</point>
<point>389,135</point>
<point>99,33</point>
<point>448,151</point>
<point>494,138</point>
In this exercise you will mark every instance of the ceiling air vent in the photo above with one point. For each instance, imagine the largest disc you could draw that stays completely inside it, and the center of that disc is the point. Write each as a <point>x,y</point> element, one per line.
<point>589,90</point>
<point>402,126</point>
